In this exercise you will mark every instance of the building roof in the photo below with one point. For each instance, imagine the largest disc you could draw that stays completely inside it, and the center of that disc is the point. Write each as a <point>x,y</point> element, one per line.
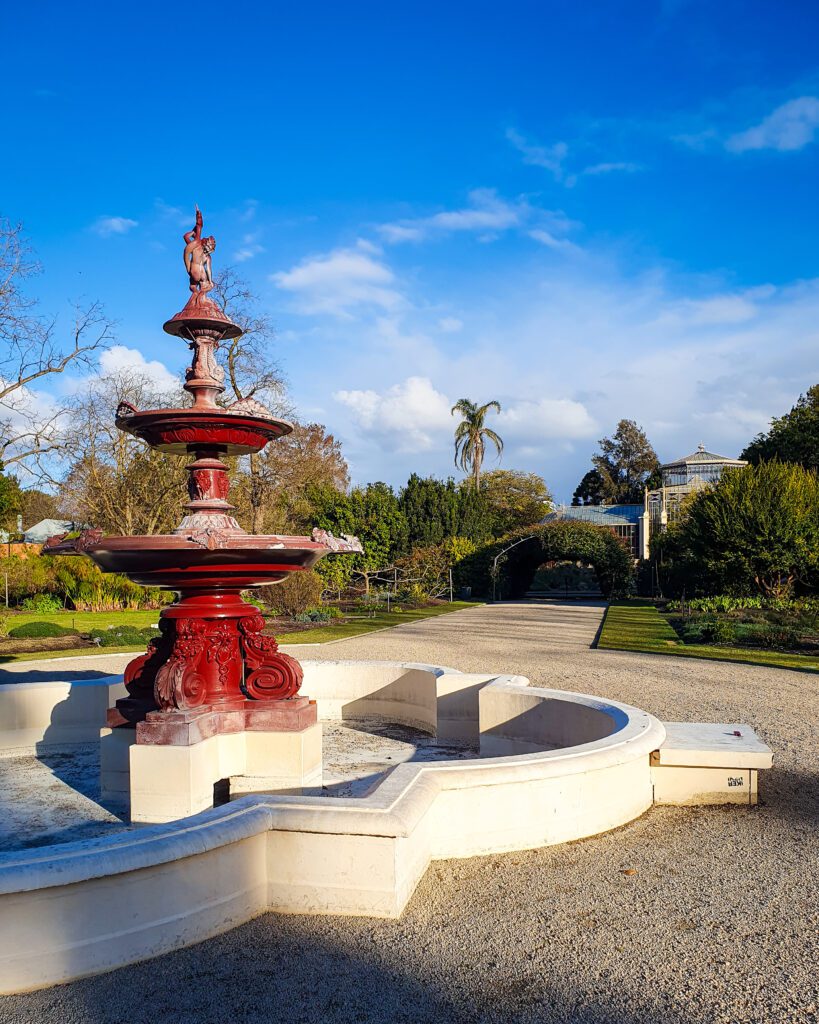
<point>702,457</point>
<point>602,515</point>
<point>40,532</point>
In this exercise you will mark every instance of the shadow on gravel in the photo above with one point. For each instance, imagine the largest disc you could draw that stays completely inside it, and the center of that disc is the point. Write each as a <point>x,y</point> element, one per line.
<point>257,974</point>
<point>790,794</point>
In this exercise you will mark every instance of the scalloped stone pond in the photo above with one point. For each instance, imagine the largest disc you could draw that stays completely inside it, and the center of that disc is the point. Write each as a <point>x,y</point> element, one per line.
<point>419,763</point>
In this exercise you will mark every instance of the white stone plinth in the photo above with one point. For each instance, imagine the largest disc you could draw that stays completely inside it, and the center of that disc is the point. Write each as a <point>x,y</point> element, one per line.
<point>168,782</point>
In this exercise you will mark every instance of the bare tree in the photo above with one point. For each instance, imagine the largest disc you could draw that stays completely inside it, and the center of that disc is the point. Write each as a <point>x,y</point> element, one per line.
<point>116,482</point>
<point>31,352</point>
<point>251,372</point>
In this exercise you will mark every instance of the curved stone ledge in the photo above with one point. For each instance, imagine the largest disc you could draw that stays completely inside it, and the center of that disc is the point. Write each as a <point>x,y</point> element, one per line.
<point>80,908</point>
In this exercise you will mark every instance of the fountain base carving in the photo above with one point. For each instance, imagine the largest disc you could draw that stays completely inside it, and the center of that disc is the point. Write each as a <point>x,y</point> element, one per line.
<point>212,653</point>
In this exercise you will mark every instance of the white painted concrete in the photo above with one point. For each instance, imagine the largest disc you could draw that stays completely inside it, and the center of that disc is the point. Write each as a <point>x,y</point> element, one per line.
<point>175,884</point>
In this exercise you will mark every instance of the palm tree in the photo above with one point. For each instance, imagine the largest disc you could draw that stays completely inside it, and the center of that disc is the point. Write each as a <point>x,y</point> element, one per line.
<point>471,436</point>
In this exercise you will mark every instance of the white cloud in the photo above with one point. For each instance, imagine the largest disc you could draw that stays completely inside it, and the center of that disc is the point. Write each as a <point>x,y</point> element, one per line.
<point>488,215</point>
<point>120,357</point>
<point>341,280</point>
<point>607,168</point>
<point>551,241</point>
<point>546,420</point>
<point>450,324</point>
<point>551,158</point>
<point>790,127</point>
<point>107,226</point>
<point>486,212</point>
<point>249,249</point>
<point>406,417</point>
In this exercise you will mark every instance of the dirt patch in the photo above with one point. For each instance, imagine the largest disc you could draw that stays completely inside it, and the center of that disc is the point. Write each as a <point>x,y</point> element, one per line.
<point>31,645</point>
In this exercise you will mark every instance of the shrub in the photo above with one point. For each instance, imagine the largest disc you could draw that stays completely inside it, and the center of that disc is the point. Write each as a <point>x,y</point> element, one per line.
<point>707,631</point>
<point>779,638</point>
<point>414,596</point>
<point>39,630</point>
<point>123,636</point>
<point>43,604</point>
<point>297,592</point>
<point>323,613</point>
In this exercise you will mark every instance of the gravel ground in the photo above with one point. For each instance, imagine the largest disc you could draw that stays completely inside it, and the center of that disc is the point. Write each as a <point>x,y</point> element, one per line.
<point>719,923</point>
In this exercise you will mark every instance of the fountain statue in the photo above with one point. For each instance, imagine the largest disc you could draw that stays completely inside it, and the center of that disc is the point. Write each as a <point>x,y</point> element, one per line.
<point>212,669</point>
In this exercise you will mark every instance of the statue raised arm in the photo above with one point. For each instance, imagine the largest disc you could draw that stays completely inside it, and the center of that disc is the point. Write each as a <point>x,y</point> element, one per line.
<point>197,258</point>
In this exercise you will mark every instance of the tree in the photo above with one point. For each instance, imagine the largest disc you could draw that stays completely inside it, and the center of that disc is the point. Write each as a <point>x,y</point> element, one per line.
<point>36,505</point>
<point>251,373</point>
<point>591,490</point>
<point>31,353</point>
<point>471,436</point>
<point>9,501</point>
<point>793,437</point>
<point>276,497</point>
<point>374,515</point>
<point>755,531</point>
<point>431,509</point>
<point>515,499</point>
<point>625,463</point>
<point>116,482</point>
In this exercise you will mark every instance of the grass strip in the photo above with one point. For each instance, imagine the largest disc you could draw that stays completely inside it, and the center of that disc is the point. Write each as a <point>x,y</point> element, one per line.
<point>635,625</point>
<point>355,626</point>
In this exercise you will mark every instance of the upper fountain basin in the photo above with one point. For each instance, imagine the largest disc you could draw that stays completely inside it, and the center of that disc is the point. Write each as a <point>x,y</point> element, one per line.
<point>174,562</point>
<point>181,431</point>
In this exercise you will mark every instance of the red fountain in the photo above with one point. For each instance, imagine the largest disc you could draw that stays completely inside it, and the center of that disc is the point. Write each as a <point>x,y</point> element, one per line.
<point>212,669</point>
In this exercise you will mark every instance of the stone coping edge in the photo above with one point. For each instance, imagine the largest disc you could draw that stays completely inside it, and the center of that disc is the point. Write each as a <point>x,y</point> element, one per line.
<point>393,809</point>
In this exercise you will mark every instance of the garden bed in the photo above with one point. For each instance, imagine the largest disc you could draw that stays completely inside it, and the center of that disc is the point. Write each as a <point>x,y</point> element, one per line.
<point>639,625</point>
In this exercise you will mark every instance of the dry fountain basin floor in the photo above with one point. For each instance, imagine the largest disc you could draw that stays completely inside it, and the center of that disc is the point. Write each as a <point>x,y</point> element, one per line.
<point>511,767</point>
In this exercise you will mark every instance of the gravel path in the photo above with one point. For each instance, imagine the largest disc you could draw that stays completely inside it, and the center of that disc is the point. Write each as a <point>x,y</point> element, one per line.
<point>719,924</point>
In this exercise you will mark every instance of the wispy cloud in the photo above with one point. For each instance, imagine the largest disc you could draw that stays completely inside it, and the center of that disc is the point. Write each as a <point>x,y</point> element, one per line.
<point>551,158</point>
<point>486,212</point>
<point>555,159</point>
<point>107,226</point>
<point>487,216</point>
<point>791,126</point>
<point>249,248</point>
<point>341,280</point>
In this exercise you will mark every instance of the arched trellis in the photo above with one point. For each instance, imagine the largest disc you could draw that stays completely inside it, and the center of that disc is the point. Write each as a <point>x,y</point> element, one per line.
<point>510,563</point>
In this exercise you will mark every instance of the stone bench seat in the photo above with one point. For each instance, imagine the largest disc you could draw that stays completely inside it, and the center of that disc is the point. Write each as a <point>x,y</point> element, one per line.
<point>708,763</point>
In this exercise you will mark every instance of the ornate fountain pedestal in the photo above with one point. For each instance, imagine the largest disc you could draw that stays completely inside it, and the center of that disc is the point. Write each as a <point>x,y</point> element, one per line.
<point>212,697</point>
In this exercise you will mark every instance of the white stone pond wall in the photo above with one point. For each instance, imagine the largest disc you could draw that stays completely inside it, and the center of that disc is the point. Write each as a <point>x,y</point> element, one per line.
<point>554,767</point>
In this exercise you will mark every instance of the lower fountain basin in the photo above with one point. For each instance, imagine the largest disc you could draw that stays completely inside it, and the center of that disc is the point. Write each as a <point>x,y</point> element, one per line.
<point>174,562</point>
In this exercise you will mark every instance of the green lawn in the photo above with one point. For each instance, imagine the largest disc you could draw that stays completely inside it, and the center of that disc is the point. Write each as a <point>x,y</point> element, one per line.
<point>636,625</point>
<point>355,625</point>
<point>84,622</point>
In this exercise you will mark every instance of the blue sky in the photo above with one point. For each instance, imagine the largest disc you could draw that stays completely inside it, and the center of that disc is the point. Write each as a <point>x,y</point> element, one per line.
<point>586,211</point>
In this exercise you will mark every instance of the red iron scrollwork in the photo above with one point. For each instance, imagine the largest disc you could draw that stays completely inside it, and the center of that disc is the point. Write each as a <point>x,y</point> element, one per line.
<point>269,674</point>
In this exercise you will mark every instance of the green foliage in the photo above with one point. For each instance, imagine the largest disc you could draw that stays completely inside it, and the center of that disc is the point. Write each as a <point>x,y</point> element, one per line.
<point>42,603</point>
<point>515,499</point>
<point>591,490</point>
<point>550,542</point>
<point>793,437</point>
<point>625,463</point>
<point>88,589</point>
<point>431,509</point>
<point>123,636</point>
<point>297,592</point>
<point>373,514</point>
<point>10,502</point>
<point>321,613</point>
<point>755,531</point>
<point>38,630</point>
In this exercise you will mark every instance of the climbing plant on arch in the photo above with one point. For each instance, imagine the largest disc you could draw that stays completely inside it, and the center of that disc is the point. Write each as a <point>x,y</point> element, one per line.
<point>563,540</point>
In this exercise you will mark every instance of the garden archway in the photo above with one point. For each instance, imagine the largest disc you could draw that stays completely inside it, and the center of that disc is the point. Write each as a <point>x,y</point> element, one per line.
<point>513,561</point>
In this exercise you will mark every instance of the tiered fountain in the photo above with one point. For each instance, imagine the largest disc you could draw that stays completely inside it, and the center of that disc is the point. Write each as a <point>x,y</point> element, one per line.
<point>213,670</point>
